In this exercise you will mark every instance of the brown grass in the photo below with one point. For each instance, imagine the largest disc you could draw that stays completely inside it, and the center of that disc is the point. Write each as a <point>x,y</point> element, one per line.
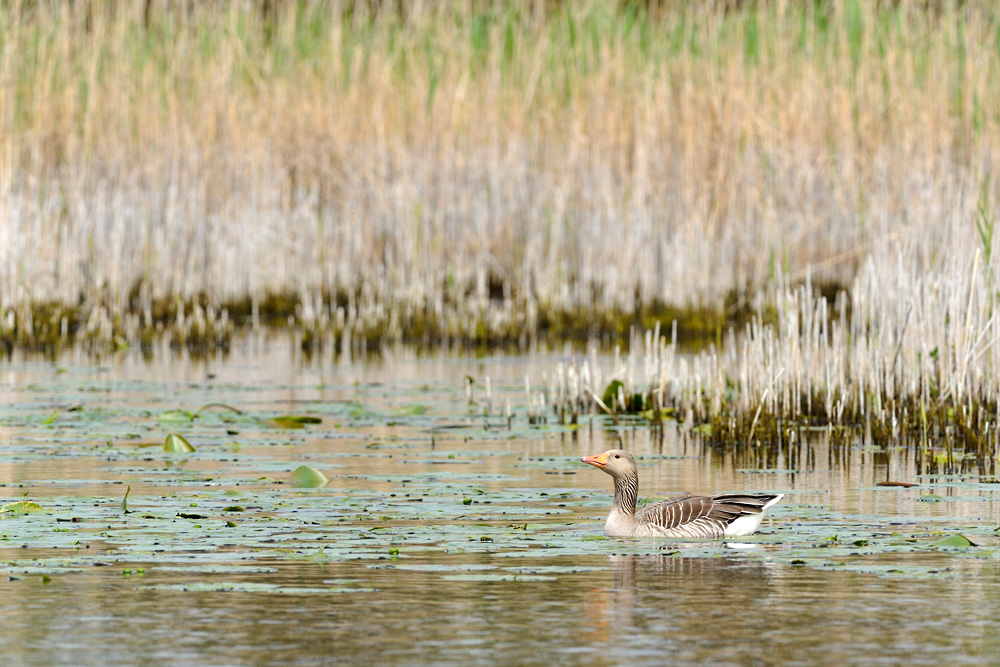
<point>412,170</point>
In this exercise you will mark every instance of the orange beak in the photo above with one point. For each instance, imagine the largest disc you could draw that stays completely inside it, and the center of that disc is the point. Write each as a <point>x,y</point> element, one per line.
<point>598,461</point>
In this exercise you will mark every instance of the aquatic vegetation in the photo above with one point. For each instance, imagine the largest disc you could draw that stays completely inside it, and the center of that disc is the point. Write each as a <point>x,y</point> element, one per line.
<point>434,495</point>
<point>177,444</point>
<point>21,507</point>
<point>926,375</point>
<point>400,501</point>
<point>293,421</point>
<point>180,416</point>
<point>308,477</point>
<point>431,495</point>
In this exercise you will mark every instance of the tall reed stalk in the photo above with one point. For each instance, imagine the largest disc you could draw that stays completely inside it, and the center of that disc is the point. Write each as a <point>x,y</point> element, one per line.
<point>484,169</point>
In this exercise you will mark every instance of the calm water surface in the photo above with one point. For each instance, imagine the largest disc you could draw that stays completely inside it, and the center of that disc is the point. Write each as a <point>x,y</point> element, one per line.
<point>443,536</point>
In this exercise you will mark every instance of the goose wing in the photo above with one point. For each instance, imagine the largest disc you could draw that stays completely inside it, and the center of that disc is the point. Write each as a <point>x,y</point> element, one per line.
<point>742,503</point>
<point>701,516</point>
<point>677,512</point>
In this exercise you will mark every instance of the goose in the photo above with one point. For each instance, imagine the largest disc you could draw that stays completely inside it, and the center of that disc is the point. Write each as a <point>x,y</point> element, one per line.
<point>686,516</point>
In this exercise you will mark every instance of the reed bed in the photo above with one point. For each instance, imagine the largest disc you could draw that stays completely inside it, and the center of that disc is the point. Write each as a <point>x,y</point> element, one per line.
<point>494,172</point>
<point>920,372</point>
<point>478,170</point>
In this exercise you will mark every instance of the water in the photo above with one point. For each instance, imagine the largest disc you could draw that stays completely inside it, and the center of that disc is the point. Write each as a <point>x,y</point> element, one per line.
<point>443,536</point>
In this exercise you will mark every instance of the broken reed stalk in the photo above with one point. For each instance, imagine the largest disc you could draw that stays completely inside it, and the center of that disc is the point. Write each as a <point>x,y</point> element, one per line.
<point>760,405</point>
<point>600,403</point>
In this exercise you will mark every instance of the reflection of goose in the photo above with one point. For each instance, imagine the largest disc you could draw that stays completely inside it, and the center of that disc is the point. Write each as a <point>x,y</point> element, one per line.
<point>681,584</point>
<point>730,514</point>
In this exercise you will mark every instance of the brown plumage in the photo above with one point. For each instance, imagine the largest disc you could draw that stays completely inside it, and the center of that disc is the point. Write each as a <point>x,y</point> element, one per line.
<point>687,516</point>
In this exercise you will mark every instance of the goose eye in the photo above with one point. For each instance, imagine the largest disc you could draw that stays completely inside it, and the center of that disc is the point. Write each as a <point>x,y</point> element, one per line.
<point>617,456</point>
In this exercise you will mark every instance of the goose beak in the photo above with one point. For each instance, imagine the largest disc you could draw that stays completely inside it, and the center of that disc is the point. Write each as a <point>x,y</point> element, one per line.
<point>598,461</point>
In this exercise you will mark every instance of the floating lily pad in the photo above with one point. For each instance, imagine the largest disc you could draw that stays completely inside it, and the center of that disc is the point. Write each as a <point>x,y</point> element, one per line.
<point>308,477</point>
<point>498,577</point>
<point>305,419</point>
<point>177,444</point>
<point>665,413</point>
<point>251,587</point>
<point>443,567</point>
<point>954,541</point>
<point>176,416</point>
<point>413,410</point>
<point>21,507</point>
<point>294,421</point>
<point>217,569</point>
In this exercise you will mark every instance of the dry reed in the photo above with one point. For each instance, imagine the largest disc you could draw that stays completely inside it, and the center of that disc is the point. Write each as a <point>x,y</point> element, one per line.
<point>488,171</point>
<point>918,370</point>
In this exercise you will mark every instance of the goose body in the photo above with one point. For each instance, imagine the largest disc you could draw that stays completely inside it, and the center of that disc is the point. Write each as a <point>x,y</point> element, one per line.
<point>687,516</point>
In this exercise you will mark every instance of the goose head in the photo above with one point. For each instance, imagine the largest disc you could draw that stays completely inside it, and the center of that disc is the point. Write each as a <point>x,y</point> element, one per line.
<point>616,462</point>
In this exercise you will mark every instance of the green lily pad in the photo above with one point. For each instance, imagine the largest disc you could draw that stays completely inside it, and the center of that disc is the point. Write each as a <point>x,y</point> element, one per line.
<point>320,557</point>
<point>304,419</point>
<point>176,416</point>
<point>498,577</point>
<point>284,422</point>
<point>294,421</point>
<point>665,413</point>
<point>414,410</point>
<point>21,507</point>
<point>955,541</point>
<point>177,443</point>
<point>308,477</point>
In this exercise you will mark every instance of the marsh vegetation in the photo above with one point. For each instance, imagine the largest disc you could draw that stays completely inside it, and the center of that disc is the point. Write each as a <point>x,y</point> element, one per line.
<point>809,186</point>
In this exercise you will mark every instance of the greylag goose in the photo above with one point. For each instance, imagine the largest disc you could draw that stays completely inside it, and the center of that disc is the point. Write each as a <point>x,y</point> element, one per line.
<point>700,517</point>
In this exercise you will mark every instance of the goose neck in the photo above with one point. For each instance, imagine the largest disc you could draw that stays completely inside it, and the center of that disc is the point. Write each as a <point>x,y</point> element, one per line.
<point>626,492</point>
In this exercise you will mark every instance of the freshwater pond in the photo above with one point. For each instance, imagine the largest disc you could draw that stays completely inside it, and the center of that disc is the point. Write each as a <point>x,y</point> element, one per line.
<point>443,536</point>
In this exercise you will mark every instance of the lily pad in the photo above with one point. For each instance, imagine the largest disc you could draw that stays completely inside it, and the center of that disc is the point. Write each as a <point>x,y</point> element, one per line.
<point>304,419</point>
<point>294,421</point>
<point>414,410</point>
<point>21,507</point>
<point>308,477</point>
<point>498,577</point>
<point>955,540</point>
<point>177,444</point>
<point>176,416</point>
